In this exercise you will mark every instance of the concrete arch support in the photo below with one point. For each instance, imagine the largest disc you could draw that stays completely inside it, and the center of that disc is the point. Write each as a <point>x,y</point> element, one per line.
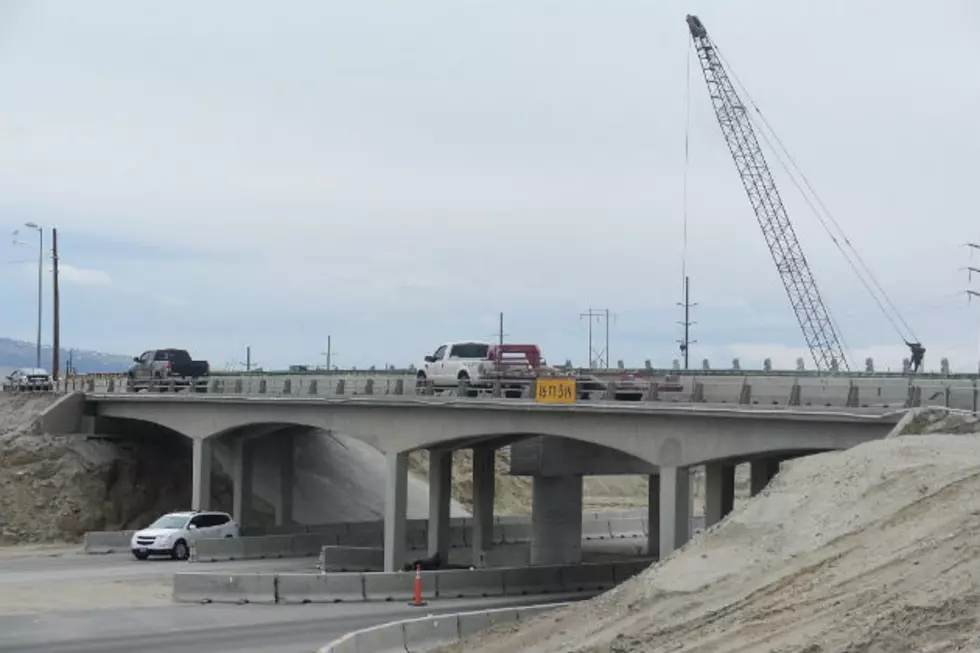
<point>201,475</point>
<point>396,502</point>
<point>719,486</point>
<point>675,509</point>
<point>556,520</point>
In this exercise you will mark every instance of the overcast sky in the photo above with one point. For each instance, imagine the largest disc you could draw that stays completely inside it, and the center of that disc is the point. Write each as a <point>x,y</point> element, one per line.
<point>237,172</point>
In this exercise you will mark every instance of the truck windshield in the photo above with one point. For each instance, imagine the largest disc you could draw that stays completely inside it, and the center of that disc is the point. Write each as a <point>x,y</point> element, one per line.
<point>469,350</point>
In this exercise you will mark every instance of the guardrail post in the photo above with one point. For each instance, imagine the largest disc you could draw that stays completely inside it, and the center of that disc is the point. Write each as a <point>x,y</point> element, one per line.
<point>111,386</point>
<point>239,386</point>
<point>400,386</point>
<point>697,395</point>
<point>652,392</point>
<point>287,387</point>
<point>795,394</point>
<point>340,387</point>
<point>263,386</point>
<point>461,388</point>
<point>90,385</point>
<point>610,394</point>
<point>313,387</point>
<point>853,396</point>
<point>746,396</point>
<point>369,387</point>
<point>498,390</point>
<point>915,397</point>
<point>216,385</point>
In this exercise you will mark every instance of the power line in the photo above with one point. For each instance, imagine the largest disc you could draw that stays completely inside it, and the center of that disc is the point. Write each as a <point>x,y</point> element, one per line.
<point>598,358</point>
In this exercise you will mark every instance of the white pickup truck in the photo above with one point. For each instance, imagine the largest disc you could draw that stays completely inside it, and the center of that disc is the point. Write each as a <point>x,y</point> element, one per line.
<point>457,361</point>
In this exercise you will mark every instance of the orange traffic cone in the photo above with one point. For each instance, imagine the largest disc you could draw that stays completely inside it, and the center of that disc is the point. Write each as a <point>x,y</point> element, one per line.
<point>418,602</point>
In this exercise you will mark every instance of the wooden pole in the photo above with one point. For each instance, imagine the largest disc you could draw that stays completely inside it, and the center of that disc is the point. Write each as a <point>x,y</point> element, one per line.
<point>56,315</point>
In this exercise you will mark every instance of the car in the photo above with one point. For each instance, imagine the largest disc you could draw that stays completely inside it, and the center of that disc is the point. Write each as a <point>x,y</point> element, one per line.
<point>28,379</point>
<point>172,365</point>
<point>173,533</point>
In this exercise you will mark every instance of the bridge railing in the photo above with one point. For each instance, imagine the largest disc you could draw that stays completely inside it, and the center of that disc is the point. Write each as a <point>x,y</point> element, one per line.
<point>882,392</point>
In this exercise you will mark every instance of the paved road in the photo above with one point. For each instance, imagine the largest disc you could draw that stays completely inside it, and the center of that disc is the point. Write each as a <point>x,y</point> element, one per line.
<point>30,569</point>
<point>216,628</point>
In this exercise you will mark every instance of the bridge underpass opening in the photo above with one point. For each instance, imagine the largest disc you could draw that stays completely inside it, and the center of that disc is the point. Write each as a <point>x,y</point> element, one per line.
<point>285,474</point>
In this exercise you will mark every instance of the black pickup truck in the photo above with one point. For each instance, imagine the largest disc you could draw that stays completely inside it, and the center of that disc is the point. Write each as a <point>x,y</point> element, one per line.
<point>166,366</point>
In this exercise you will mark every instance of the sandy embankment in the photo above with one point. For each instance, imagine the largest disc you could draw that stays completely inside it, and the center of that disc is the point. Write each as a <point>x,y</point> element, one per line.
<point>872,549</point>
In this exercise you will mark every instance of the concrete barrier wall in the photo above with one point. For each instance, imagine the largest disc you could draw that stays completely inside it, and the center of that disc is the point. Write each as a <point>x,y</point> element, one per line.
<point>107,541</point>
<point>427,633</point>
<point>370,535</point>
<point>203,587</point>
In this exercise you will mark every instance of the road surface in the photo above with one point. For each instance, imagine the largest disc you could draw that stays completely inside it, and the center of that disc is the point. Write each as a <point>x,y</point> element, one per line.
<point>61,601</point>
<point>216,628</point>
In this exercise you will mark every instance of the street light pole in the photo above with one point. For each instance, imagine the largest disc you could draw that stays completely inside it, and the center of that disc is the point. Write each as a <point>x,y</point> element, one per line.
<point>40,282</point>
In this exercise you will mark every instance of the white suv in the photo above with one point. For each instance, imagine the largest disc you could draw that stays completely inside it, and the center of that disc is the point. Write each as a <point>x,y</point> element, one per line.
<point>173,533</point>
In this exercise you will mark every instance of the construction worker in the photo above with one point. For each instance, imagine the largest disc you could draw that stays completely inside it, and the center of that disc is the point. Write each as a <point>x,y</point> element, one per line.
<point>918,353</point>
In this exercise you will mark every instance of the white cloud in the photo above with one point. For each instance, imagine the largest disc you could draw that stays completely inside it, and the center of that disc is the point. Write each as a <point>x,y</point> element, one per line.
<point>83,276</point>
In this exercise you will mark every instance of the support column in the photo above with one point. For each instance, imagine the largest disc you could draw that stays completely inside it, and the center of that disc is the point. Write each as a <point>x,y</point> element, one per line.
<point>241,479</point>
<point>483,492</point>
<point>556,520</point>
<point>719,486</point>
<point>440,495</point>
<point>653,515</point>
<point>762,471</point>
<point>396,503</point>
<point>201,475</point>
<point>675,509</point>
<point>287,475</point>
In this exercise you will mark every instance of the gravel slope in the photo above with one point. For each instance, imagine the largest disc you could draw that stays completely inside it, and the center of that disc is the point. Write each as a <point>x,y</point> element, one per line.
<point>872,549</point>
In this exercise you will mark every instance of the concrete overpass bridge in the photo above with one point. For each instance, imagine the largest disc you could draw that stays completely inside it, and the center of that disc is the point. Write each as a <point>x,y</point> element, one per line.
<point>556,444</point>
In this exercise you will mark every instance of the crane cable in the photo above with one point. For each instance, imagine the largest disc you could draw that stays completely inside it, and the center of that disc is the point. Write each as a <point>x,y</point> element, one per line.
<point>829,215</point>
<point>687,160</point>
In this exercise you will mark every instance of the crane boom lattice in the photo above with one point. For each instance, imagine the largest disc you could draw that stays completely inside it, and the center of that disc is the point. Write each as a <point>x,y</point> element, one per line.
<point>794,271</point>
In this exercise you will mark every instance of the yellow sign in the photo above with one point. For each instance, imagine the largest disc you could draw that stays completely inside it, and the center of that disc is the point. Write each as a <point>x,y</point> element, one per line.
<point>554,391</point>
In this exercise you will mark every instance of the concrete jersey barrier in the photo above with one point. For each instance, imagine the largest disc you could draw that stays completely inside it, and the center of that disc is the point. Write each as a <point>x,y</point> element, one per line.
<point>204,587</point>
<point>427,633</point>
<point>107,541</point>
<point>506,530</point>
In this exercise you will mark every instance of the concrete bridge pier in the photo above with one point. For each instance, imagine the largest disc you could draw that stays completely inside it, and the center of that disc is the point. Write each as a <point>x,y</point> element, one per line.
<point>287,477</point>
<point>556,520</point>
<point>396,504</point>
<point>719,489</point>
<point>483,493</point>
<point>201,474</point>
<point>241,478</point>
<point>675,508</point>
<point>440,496</point>
<point>762,471</point>
<point>653,515</point>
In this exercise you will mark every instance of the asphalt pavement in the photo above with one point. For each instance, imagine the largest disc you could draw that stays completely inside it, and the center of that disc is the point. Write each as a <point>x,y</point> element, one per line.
<point>218,628</point>
<point>173,628</point>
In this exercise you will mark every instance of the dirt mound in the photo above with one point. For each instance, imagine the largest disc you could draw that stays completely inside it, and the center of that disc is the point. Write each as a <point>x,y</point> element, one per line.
<point>53,488</point>
<point>872,549</point>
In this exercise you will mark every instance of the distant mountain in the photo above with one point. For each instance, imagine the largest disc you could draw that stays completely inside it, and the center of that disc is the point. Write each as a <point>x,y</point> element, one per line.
<point>17,353</point>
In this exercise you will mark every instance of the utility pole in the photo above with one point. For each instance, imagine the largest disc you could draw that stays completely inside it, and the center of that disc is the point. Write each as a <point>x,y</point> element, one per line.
<point>327,353</point>
<point>248,358</point>
<point>499,333</point>
<point>56,308</point>
<point>687,342</point>
<point>597,314</point>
